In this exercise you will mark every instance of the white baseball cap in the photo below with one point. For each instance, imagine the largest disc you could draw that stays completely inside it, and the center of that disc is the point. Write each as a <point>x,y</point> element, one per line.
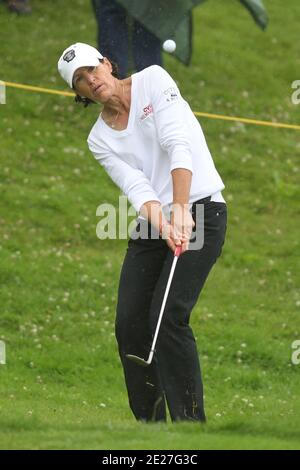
<point>75,56</point>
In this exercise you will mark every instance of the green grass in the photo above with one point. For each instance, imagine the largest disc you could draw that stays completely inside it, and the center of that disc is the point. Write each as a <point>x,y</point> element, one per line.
<point>62,386</point>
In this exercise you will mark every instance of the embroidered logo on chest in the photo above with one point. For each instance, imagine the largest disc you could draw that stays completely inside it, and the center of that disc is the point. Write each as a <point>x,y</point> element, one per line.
<point>146,112</point>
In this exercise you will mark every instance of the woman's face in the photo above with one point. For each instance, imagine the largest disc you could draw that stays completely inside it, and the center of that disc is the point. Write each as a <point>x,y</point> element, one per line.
<point>95,83</point>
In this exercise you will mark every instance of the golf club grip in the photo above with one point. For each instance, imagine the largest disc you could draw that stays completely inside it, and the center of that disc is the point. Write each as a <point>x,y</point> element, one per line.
<point>178,251</point>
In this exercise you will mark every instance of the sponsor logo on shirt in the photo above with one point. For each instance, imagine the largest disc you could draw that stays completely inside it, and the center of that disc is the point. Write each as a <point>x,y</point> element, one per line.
<point>171,94</point>
<point>146,112</point>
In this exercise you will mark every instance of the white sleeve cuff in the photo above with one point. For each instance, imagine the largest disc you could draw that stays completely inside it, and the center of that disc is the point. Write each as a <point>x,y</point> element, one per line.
<point>181,159</point>
<point>141,197</point>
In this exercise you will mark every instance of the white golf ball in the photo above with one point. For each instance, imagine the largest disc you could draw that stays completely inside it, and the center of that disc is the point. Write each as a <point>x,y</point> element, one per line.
<point>169,46</point>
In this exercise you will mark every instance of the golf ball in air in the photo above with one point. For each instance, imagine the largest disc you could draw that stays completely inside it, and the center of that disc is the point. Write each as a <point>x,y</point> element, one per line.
<point>169,46</point>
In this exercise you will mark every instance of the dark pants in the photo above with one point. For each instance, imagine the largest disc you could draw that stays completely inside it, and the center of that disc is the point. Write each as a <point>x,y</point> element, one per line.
<point>174,375</point>
<point>113,38</point>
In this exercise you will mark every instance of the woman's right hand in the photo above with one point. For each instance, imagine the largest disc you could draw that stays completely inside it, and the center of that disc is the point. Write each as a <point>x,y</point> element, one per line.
<point>175,233</point>
<point>178,231</point>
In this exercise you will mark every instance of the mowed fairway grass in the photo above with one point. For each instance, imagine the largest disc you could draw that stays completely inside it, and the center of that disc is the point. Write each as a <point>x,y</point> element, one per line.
<point>62,386</point>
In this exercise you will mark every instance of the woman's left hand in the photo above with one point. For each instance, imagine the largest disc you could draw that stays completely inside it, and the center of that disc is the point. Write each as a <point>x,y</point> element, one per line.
<point>182,223</point>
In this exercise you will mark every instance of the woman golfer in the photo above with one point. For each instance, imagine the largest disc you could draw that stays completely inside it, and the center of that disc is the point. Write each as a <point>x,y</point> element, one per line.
<point>152,146</point>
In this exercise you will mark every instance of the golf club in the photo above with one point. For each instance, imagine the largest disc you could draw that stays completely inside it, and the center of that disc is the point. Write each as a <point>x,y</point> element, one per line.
<point>140,360</point>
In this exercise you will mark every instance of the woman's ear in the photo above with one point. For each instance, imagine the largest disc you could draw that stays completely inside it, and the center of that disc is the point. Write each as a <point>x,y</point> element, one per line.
<point>107,63</point>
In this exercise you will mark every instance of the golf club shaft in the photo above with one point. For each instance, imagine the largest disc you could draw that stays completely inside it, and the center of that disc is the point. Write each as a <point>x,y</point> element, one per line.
<point>140,360</point>
<point>176,256</point>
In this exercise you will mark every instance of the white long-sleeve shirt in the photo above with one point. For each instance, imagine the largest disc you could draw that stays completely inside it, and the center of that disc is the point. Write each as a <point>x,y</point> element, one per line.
<point>162,134</point>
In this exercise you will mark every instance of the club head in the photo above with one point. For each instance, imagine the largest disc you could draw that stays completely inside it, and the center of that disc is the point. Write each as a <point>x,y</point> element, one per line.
<point>137,360</point>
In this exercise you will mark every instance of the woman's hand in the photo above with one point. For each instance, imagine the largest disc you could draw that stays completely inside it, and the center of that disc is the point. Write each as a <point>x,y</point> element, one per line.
<point>176,232</point>
<point>179,230</point>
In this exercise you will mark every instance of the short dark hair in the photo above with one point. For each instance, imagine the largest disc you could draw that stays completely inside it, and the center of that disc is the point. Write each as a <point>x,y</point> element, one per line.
<point>86,101</point>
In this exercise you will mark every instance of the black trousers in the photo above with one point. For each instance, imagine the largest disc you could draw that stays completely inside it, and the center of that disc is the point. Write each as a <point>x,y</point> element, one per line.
<point>174,377</point>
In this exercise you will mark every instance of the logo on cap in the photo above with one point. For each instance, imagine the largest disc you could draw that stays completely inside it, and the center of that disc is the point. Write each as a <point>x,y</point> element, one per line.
<point>69,55</point>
